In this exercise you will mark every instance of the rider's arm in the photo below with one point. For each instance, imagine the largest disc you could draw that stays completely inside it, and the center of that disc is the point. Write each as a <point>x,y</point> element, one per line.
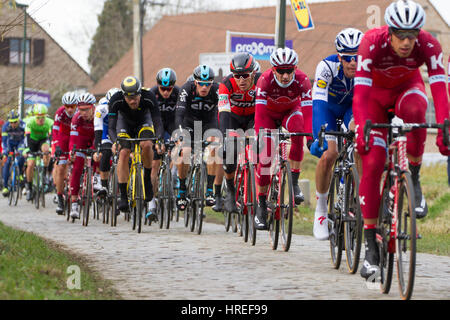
<point>181,106</point>
<point>306,104</point>
<point>5,138</point>
<point>323,79</point>
<point>436,75</point>
<point>112,120</point>
<point>56,129</point>
<point>156,116</point>
<point>99,116</point>
<point>224,108</point>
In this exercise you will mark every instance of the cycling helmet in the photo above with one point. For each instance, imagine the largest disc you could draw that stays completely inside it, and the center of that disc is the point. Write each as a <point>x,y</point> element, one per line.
<point>13,116</point>
<point>110,93</point>
<point>86,99</point>
<point>405,14</point>
<point>203,73</point>
<point>166,77</point>
<point>131,86</point>
<point>283,57</point>
<point>348,40</point>
<point>242,62</point>
<point>70,98</point>
<point>40,109</point>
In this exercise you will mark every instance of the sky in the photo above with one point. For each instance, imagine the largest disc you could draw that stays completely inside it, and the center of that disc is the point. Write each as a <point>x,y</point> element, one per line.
<point>72,23</point>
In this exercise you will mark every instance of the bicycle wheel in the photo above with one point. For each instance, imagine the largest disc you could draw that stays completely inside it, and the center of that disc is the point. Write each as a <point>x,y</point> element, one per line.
<point>251,202</point>
<point>274,223</point>
<point>286,207</point>
<point>140,201</point>
<point>11,185</point>
<point>167,197</point>
<point>36,187</point>
<point>352,220</point>
<point>384,237</point>
<point>16,189</point>
<point>42,192</point>
<point>113,187</point>
<point>200,196</point>
<point>334,220</point>
<point>240,203</point>
<point>87,196</point>
<point>406,236</point>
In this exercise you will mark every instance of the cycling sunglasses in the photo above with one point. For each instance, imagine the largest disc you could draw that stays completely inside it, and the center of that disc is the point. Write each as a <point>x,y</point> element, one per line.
<point>204,83</point>
<point>284,70</point>
<point>403,34</point>
<point>165,88</point>
<point>241,75</point>
<point>70,106</point>
<point>349,57</point>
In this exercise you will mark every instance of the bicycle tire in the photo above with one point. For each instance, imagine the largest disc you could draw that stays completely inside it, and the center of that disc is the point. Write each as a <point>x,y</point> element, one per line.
<point>238,186</point>
<point>113,196</point>
<point>406,236</point>
<point>200,196</point>
<point>353,226</point>
<point>42,193</point>
<point>273,222</point>
<point>140,201</point>
<point>386,264</point>
<point>10,185</point>
<point>251,208</point>
<point>87,196</point>
<point>36,187</point>
<point>193,193</point>
<point>286,210</point>
<point>16,188</point>
<point>167,199</point>
<point>334,222</point>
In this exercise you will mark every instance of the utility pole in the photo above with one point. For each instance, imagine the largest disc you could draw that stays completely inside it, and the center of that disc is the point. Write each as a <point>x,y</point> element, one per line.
<point>280,24</point>
<point>24,48</point>
<point>138,31</point>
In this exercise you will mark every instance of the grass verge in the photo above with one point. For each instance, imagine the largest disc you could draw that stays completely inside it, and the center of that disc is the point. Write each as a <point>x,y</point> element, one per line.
<point>35,269</point>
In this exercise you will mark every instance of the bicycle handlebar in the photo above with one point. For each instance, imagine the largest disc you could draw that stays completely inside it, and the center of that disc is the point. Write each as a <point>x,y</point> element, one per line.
<point>322,133</point>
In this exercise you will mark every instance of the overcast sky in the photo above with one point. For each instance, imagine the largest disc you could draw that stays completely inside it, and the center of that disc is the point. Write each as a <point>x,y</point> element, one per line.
<point>72,23</point>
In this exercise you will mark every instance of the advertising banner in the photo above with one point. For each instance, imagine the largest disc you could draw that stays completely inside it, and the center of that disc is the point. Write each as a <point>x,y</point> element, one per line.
<point>32,96</point>
<point>260,48</point>
<point>302,15</point>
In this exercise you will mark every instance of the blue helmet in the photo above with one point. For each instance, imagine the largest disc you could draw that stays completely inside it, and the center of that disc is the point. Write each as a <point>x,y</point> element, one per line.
<point>166,77</point>
<point>13,116</point>
<point>203,73</point>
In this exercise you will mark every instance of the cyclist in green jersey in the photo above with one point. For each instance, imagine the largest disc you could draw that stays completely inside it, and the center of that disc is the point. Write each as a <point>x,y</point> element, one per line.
<point>37,132</point>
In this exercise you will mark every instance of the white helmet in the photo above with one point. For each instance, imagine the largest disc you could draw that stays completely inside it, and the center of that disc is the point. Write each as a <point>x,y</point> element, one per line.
<point>70,98</point>
<point>111,92</point>
<point>283,57</point>
<point>405,14</point>
<point>103,101</point>
<point>86,98</point>
<point>348,40</point>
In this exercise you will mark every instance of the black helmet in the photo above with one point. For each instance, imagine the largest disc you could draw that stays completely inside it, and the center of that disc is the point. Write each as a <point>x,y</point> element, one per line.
<point>242,62</point>
<point>203,73</point>
<point>131,86</point>
<point>166,77</point>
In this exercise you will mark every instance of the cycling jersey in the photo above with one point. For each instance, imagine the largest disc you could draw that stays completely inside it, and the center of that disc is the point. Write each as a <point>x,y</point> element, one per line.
<point>61,132</point>
<point>147,114</point>
<point>101,124</point>
<point>385,80</point>
<point>191,107</point>
<point>332,95</point>
<point>167,107</point>
<point>37,133</point>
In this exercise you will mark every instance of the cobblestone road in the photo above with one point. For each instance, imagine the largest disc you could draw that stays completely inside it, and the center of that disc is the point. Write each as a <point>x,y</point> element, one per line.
<point>177,264</point>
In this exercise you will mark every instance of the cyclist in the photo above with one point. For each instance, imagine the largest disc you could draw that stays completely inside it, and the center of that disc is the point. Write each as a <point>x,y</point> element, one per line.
<point>166,93</point>
<point>332,99</point>
<point>197,103</point>
<point>81,136</point>
<point>283,96</point>
<point>60,141</point>
<point>37,131</point>
<point>102,141</point>
<point>236,111</point>
<point>134,110</point>
<point>388,75</point>
<point>13,139</point>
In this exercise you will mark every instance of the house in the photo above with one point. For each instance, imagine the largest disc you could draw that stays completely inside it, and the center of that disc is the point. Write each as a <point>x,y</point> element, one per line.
<point>49,67</point>
<point>177,41</point>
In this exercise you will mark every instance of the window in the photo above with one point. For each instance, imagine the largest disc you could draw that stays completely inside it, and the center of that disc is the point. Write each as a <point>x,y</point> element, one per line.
<point>15,51</point>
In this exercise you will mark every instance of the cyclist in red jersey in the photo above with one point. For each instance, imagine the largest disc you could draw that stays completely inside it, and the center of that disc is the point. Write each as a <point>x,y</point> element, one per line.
<point>236,111</point>
<point>387,76</point>
<point>283,96</point>
<point>82,135</point>
<point>60,142</point>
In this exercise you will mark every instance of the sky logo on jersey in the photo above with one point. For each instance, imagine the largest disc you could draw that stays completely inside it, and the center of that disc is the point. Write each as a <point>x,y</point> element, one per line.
<point>302,15</point>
